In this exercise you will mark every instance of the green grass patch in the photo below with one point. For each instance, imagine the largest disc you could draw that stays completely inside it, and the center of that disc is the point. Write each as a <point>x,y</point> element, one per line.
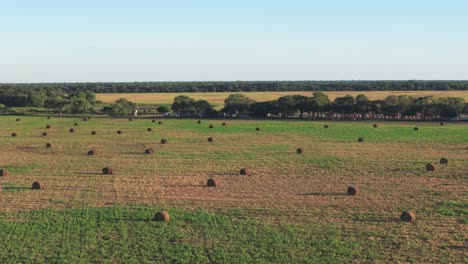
<point>128,235</point>
<point>453,208</point>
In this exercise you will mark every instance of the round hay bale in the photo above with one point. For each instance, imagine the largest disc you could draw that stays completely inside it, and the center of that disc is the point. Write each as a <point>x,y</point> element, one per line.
<point>47,126</point>
<point>91,152</point>
<point>44,134</point>
<point>37,185</point>
<point>48,117</point>
<point>49,145</point>
<point>164,141</point>
<point>76,124</point>
<point>442,123</point>
<point>4,172</point>
<point>107,171</point>
<point>149,151</point>
<point>443,161</point>
<point>17,119</point>
<point>14,134</point>
<point>119,132</point>
<point>160,122</point>
<point>85,119</point>
<point>71,130</point>
<point>257,129</point>
<point>211,126</point>
<point>149,129</point>
<point>325,126</point>
<point>408,216</point>
<point>352,190</point>
<point>245,171</point>
<point>161,216</point>
<point>360,139</point>
<point>430,167</point>
<point>223,124</point>
<point>199,121</point>
<point>153,121</point>
<point>130,119</point>
<point>375,126</point>
<point>299,150</point>
<point>93,133</point>
<point>416,128</point>
<point>210,139</point>
<point>212,183</point>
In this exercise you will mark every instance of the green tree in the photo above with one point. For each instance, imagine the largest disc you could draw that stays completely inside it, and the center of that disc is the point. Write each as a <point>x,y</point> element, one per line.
<point>236,103</point>
<point>183,105</point>
<point>57,104</point>
<point>123,107</point>
<point>162,109</point>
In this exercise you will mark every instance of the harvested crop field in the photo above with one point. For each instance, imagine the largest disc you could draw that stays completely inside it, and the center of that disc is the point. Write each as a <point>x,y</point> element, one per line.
<point>217,99</point>
<point>291,208</point>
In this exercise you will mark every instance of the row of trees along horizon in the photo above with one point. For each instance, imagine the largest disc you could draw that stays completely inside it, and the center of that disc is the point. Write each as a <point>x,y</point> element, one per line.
<point>238,86</point>
<point>80,102</point>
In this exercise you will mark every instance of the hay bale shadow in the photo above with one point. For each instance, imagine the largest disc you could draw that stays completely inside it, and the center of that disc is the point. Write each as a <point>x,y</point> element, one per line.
<point>379,220</point>
<point>225,174</point>
<point>324,194</point>
<point>87,173</point>
<point>185,185</point>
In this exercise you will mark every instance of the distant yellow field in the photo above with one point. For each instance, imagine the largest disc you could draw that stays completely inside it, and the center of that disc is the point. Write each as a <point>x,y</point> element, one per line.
<point>217,99</point>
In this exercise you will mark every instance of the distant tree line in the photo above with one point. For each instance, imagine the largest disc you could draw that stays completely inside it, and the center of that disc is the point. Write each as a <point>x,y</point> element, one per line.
<point>319,106</point>
<point>239,86</point>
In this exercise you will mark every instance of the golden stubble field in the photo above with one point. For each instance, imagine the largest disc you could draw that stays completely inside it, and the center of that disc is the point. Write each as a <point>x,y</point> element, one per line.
<point>388,168</point>
<point>217,99</point>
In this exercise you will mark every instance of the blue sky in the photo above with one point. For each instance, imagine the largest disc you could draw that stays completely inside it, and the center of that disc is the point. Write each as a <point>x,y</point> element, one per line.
<point>142,40</point>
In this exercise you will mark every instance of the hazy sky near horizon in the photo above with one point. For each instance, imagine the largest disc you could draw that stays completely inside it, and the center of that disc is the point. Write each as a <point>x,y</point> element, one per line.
<point>144,40</point>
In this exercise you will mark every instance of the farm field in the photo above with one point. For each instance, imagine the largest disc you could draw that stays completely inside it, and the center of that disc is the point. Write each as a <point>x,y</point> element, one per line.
<point>217,99</point>
<point>292,209</point>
